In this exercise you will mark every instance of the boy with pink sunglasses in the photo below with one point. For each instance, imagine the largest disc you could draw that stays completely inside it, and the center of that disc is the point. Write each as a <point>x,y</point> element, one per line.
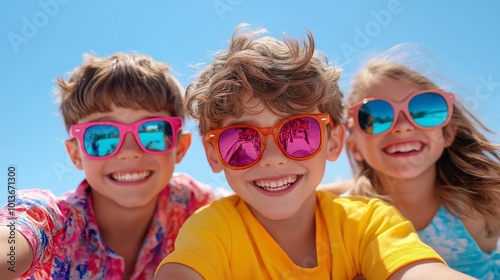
<point>280,104</point>
<point>124,115</point>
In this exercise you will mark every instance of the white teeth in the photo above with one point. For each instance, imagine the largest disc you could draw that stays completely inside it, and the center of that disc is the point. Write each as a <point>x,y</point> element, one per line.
<point>276,185</point>
<point>130,177</point>
<point>404,148</point>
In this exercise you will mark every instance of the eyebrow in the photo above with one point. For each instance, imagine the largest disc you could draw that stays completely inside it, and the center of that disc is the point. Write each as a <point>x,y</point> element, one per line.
<point>254,123</point>
<point>109,119</point>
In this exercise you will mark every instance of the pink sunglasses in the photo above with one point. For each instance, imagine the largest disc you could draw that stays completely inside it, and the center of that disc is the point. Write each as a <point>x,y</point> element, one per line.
<point>102,140</point>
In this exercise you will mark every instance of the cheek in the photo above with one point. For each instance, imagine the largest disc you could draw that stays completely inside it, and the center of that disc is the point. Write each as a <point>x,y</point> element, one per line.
<point>93,170</point>
<point>166,162</point>
<point>436,137</point>
<point>235,176</point>
<point>362,144</point>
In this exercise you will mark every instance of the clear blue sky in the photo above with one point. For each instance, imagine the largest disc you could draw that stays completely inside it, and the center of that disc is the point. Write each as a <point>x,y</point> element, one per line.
<point>40,40</point>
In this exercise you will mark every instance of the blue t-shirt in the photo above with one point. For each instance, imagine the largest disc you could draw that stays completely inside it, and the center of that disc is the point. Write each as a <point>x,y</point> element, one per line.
<point>449,237</point>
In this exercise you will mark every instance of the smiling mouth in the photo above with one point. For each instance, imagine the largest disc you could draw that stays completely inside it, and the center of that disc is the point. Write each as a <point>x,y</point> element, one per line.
<point>276,185</point>
<point>130,177</point>
<point>404,148</point>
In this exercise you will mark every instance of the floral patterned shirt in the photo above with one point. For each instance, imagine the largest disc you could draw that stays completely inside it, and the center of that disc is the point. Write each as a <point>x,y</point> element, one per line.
<point>66,241</point>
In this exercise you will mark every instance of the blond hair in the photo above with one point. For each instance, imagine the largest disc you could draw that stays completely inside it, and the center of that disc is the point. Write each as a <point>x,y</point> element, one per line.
<point>468,171</point>
<point>288,77</point>
<point>132,81</point>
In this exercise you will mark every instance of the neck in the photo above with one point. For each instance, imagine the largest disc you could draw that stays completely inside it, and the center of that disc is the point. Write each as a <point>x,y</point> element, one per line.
<point>117,223</point>
<point>298,242</point>
<point>415,198</point>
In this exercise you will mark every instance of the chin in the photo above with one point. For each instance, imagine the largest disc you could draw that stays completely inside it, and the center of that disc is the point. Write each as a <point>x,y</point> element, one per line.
<point>136,202</point>
<point>408,173</point>
<point>279,214</point>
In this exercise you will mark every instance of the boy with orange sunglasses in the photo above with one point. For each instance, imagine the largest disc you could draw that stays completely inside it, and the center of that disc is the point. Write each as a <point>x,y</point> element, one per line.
<point>271,113</point>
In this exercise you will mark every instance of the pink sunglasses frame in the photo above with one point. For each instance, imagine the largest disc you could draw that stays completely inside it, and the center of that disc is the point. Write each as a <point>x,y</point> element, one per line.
<point>213,136</point>
<point>402,106</point>
<point>77,131</point>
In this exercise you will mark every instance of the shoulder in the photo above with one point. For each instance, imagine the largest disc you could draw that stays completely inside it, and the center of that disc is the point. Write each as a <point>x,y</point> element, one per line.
<point>477,229</point>
<point>208,237</point>
<point>338,187</point>
<point>183,181</point>
<point>349,201</point>
<point>42,205</point>
<point>225,206</point>
<point>46,219</point>
<point>184,186</point>
<point>33,198</point>
<point>36,196</point>
<point>217,215</point>
<point>357,208</point>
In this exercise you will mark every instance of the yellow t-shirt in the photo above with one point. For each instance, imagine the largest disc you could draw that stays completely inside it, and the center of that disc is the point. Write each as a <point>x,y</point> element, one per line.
<point>353,236</point>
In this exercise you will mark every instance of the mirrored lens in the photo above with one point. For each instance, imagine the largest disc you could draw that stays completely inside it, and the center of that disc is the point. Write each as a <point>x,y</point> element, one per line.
<point>156,135</point>
<point>239,146</point>
<point>300,137</point>
<point>375,116</point>
<point>101,140</point>
<point>428,109</point>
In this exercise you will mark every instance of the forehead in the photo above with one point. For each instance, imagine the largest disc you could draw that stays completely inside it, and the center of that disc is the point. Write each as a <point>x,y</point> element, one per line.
<point>251,103</point>
<point>391,89</point>
<point>258,115</point>
<point>123,115</point>
<point>255,111</point>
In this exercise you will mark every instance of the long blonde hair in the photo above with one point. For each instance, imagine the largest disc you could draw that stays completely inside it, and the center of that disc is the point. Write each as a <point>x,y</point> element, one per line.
<point>468,171</point>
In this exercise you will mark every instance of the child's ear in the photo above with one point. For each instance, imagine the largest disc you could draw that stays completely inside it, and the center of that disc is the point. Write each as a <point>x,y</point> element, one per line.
<point>449,133</point>
<point>182,147</point>
<point>74,153</point>
<point>335,142</point>
<point>213,159</point>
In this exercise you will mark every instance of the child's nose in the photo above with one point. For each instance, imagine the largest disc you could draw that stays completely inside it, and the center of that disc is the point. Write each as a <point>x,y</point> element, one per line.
<point>272,154</point>
<point>130,148</point>
<point>402,124</point>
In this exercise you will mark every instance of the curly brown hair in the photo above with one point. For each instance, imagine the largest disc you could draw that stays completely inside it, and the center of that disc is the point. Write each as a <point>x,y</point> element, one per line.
<point>287,76</point>
<point>124,80</point>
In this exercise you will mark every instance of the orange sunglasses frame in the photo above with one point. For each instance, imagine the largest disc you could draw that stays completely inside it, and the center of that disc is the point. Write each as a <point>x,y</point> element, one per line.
<point>213,136</point>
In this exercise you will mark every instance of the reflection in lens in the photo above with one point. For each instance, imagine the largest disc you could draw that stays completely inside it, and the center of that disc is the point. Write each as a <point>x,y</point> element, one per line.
<point>101,140</point>
<point>239,146</point>
<point>300,137</point>
<point>375,116</point>
<point>428,109</point>
<point>156,135</point>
